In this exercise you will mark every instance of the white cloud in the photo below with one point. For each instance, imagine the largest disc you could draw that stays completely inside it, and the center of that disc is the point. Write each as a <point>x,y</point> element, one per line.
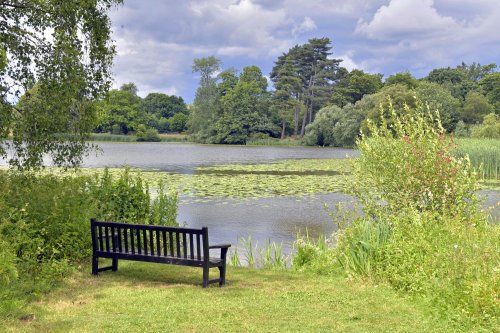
<point>348,62</point>
<point>415,35</point>
<point>406,18</point>
<point>239,28</point>
<point>306,25</point>
<point>158,39</point>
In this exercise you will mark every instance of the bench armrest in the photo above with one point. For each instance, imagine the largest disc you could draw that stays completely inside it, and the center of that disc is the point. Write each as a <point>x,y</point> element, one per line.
<point>220,246</point>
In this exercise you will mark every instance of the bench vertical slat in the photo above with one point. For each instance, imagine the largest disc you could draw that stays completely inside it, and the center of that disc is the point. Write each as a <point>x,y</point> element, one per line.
<point>198,246</point>
<point>191,249</point>
<point>106,229</point>
<point>206,257</point>
<point>132,242</point>
<point>178,243</point>
<point>144,241</point>
<point>119,238</point>
<point>157,236</point>
<point>138,234</point>
<point>151,240</point>
<point>184,244</point>
<point>113,238</point>
<point>101,245</point>
<point>171,238</point>
<point>125,238</point>
<point>164,236</point>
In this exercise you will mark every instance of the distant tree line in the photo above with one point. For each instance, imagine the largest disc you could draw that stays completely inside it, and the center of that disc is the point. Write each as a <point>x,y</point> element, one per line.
<point>124,112</point>
<point>314,98</point>
<point>466,96</point>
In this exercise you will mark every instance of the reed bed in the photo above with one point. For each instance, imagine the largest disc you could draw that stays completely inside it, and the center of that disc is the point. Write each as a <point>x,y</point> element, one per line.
<point>112,137</point>
<point>106,137</point>
<point>484,155</point>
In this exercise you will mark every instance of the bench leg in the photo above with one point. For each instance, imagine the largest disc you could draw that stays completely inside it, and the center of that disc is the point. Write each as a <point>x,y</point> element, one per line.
<point>95,265</point>
<point>114,265</point>
<point>205,276</point>
<point>222,273</point>
<point>222,269</point>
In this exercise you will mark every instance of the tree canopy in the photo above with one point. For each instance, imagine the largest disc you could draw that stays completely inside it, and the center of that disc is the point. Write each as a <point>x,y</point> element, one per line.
<point>58,54</point>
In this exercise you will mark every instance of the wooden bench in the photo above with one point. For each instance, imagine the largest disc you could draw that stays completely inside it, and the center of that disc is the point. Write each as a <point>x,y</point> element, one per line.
<point>152,243</point>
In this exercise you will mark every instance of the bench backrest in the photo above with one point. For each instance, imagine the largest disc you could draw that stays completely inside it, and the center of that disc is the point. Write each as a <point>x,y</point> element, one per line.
<point>150,240</point>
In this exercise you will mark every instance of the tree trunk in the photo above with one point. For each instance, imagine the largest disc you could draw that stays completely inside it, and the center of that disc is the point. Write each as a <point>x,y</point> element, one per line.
<point>304,120</point>
<point>296,119</point>
<point>283,130</point>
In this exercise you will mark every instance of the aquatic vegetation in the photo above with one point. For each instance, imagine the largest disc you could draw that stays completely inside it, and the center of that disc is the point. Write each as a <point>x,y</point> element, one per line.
<point>245,181</point>
<point>269,256</point>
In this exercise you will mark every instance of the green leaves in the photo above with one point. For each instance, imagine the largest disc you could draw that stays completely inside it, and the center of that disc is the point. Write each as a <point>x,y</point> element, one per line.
<point>63,47</point>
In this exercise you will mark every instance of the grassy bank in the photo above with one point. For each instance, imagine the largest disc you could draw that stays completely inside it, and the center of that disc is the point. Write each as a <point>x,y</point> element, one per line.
<point>106,137</point>
<point>152,297</point>
<point>275,142</point>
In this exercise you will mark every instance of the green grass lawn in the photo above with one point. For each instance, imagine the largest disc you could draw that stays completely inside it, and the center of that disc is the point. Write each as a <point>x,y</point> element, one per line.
<point>143,297</point>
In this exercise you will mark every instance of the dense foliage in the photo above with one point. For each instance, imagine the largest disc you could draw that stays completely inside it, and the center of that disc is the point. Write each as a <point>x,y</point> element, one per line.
<point>421,230</point>
<point>124,112</point>
<point>58,53</point>
<point>463,96</point>
<point>44,222</point>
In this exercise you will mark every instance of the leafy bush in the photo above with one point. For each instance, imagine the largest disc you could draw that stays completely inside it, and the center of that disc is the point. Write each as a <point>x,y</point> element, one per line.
<point>178,122</point>
<point>44,221</point>
<point>411,163</point>
<point>147,135</point>
<point>421,230</point>
<point>490,128</point>
<point>334,126</point>
<point>8,269</point>
<point>313,255</point>
<point>451,262</point>
<point>462,130</point>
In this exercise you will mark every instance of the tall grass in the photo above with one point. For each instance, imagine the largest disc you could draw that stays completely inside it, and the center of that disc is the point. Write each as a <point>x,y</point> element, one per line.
<point>274,142</point>
<point>112,137</point>
<point>484,155</point>
<point>106,137</point>
<point>269,256</point>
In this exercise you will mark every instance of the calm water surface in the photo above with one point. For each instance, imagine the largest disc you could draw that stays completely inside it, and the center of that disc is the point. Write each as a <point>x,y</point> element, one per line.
<point>183,158</point>
<point>278,219</point>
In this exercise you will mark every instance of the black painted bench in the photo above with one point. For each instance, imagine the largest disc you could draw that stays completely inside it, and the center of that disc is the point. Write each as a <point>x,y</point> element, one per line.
<point>152,243</point>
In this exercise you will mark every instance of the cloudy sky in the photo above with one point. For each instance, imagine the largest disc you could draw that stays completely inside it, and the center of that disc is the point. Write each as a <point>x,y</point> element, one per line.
<point>157,40</point>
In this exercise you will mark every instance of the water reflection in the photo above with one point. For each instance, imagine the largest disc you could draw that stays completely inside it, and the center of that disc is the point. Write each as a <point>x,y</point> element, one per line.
<point>278,218</point>
<point>184,158</point>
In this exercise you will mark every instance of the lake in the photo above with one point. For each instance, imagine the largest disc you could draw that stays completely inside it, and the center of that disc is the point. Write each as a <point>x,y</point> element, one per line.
<point>278,218</point>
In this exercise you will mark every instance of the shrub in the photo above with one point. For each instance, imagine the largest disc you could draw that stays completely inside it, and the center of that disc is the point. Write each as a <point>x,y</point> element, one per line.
<point>490,128</point>
<point>462,130</point>
<point>144,134</point>
<point>334,126</point>
<point>421,230</point>
<point>313,255</point>
<point>178,122</point>
<point>44,222</point>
